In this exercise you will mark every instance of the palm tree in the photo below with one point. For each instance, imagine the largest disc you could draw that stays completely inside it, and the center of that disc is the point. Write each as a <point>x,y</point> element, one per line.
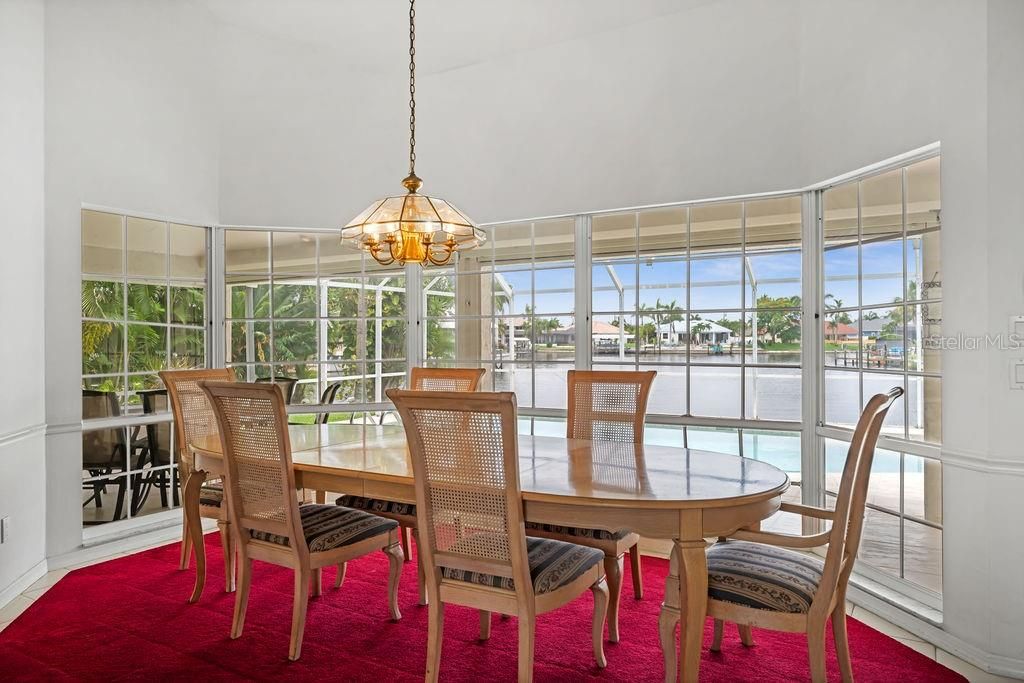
<point>700,327</point>
<point>837,315</point>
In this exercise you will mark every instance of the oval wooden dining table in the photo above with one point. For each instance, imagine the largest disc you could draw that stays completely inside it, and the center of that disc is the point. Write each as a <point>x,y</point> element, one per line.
<point>681,494</point>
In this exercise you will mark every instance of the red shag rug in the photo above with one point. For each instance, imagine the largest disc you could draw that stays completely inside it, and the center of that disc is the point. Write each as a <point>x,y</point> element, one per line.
<point>128,619</point>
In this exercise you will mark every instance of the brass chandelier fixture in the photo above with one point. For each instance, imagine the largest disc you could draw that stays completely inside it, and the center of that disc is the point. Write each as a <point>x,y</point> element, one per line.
<point>412,228</point>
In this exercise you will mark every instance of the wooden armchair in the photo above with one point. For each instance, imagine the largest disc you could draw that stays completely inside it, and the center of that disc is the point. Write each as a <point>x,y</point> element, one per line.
<point>755,580</point>
<point>193,420</point>
<point>268,522</point>
<point>606,406</point>
<point>464,451</point>
<point>421,379</point>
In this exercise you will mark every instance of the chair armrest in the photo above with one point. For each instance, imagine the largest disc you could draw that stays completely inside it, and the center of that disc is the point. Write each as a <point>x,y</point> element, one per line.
<point>808,511</point>
<point>784,540</point>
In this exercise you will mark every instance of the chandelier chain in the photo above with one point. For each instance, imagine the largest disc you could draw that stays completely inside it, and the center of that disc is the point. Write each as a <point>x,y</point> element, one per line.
<point>412,87</point>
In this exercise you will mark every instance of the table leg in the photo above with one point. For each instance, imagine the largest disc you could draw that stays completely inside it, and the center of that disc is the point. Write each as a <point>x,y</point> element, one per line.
<point>669,617</point>
<point>693,605</point>
<point>190,501</point>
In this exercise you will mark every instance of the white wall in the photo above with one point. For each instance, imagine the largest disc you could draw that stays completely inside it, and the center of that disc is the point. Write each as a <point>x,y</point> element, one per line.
<point>131,123</point>
<point>22,459</point>
<point>693,104</point>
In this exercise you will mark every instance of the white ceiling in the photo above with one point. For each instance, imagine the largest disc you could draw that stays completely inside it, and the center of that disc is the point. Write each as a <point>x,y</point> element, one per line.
<point>369,35</point>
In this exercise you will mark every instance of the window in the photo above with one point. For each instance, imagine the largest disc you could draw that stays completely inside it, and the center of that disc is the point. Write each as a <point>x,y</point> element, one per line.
<point>513,313</point>
<point>709,296</point>
<point>143,310</point>
<point>882,299</point>
<point>309,313</point>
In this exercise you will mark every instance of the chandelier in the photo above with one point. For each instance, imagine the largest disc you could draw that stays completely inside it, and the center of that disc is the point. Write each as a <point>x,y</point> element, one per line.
<point>412,228</point>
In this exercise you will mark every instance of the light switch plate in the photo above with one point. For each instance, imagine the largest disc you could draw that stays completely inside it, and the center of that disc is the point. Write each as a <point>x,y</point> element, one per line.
<point>5,529</point>
<point>1017,325</point>
<point>1017,374</point>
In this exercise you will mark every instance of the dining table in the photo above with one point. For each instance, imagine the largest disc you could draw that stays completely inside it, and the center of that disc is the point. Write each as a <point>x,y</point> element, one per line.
<point>663,492</point>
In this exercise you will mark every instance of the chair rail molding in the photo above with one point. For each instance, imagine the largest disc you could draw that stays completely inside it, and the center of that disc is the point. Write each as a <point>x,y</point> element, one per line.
<point>981,462</point>
<point>22,433</point>
<point>63,428</point>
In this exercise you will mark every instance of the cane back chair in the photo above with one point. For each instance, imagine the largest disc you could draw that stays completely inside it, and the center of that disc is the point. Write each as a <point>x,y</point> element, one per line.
<point>754,580</point>
<point>464,452</point>
<point>268,522</point>
<point>420,379</point>
<point>194,420</point>
<point>606,406</point>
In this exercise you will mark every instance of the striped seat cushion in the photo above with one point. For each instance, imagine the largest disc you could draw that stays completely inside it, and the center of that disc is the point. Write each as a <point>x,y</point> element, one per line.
<point>378,506</point>
<point>762,576</point>
<point>211,493</point>
<point>553,564</point>
<point>331,526</point>
<point>578,532</point>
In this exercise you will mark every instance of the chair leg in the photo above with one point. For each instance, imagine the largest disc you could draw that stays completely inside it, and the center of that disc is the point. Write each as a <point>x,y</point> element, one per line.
<point>162,483</point>
<point>485,625</point>
<point>600,591</point>
<point>613,573</point>
<point>404,534</point>
<point>317,581</point>
<point>227,544</point>
<point>241,595</point>
<point>300,601</point>
<point>716,642</point>
<point>816,652</point>
<point>746,635</point>
<point>190,500</point>
<point>175,484</point>
<point>119,504</point>
<point>636,573</point>
<point>527,631</point>
<point>186,542</point>
<point>421,575</point>
<point>842,642</point>
<point>394,553</point>
<point>435,635</point>
<point>340,576</point>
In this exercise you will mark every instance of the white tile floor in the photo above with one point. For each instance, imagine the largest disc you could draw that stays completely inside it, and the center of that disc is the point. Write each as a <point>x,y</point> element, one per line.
<point>11,611</point>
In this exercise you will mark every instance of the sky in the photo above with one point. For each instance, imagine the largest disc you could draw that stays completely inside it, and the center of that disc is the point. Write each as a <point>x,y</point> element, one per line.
<point>716,281</point>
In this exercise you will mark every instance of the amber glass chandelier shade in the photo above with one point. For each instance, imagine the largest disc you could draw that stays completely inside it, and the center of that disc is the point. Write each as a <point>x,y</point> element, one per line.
<point>412,228</point>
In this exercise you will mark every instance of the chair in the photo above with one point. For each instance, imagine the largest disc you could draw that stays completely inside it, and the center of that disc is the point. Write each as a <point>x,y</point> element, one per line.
<point>193,420</point>
<point>755,580</point>
<point>606,406</point>
<point>158,452</point>
<point>445,379</point>
<point>104,451</point>
<point>421,379</point>
<point>285,384</point>
<point>464,452</point>
<point>327,398</point>
<point>268,522</point>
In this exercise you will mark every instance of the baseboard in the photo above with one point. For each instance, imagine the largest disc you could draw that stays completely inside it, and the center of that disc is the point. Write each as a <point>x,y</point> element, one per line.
<point>124,541</point>
<point>923,627</point>
<point>21,583</point>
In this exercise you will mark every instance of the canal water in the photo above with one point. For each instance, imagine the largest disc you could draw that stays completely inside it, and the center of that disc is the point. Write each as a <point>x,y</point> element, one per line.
<point>719,388</point>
